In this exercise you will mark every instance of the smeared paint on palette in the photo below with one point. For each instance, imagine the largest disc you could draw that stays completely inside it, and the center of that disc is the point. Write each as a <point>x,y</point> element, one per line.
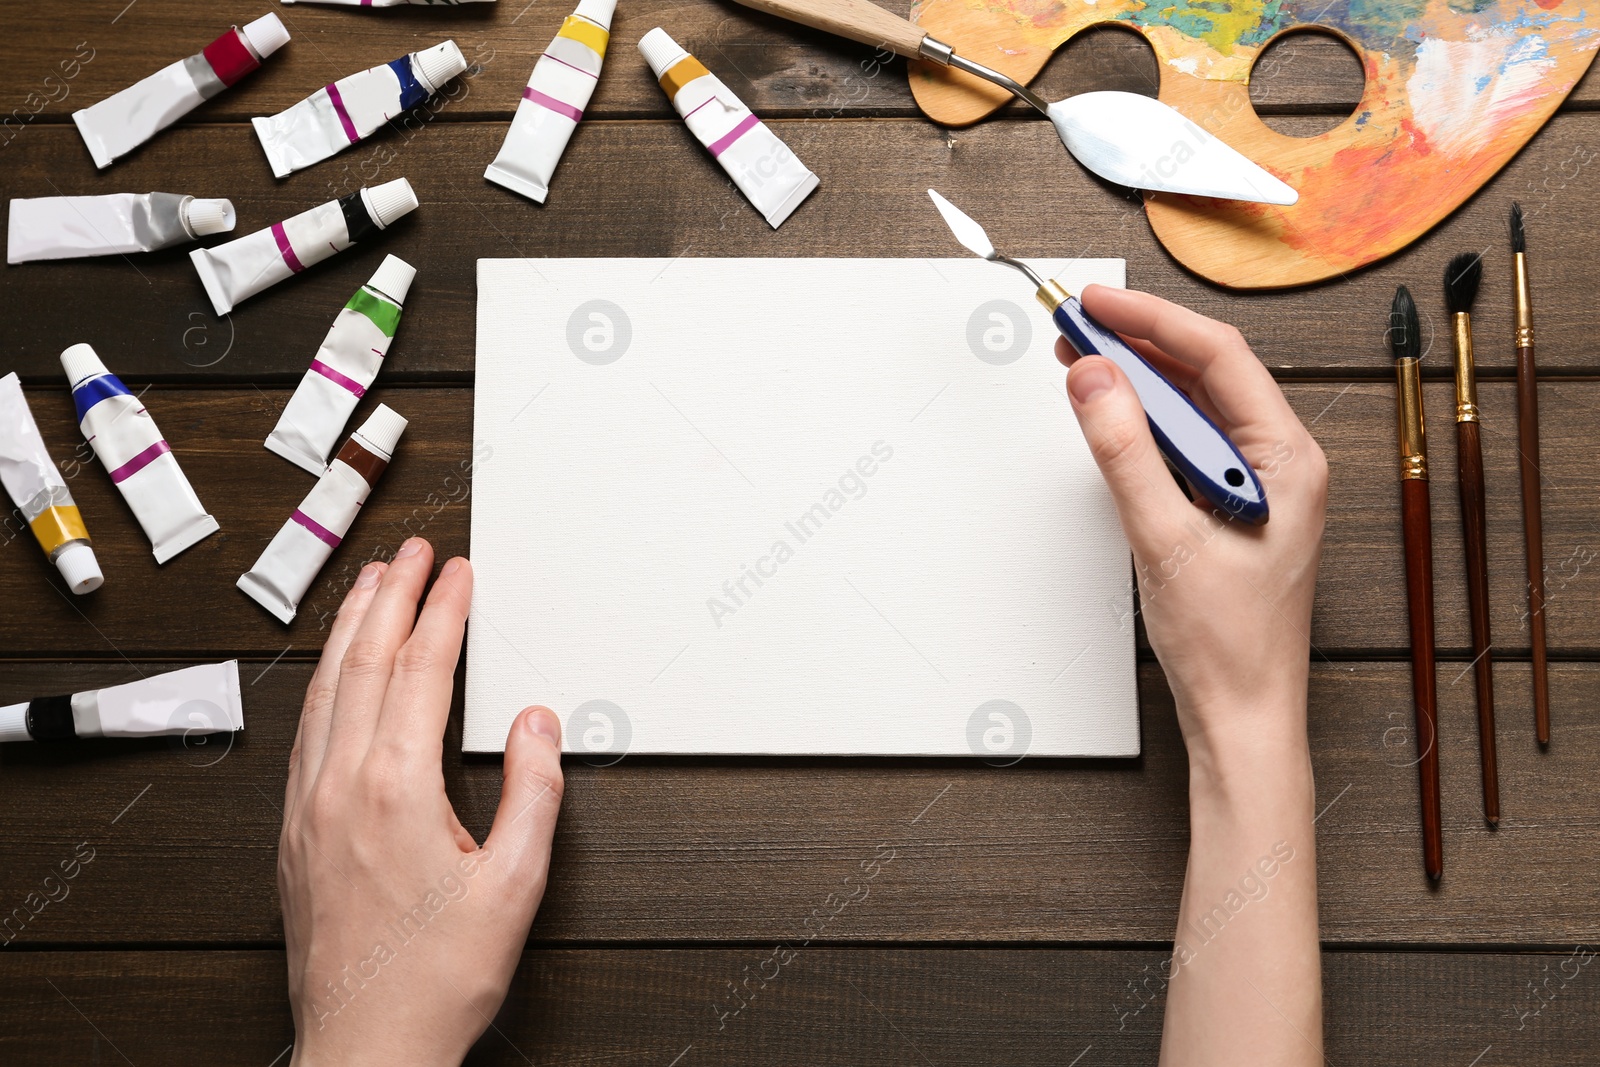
<point>1454,88</point>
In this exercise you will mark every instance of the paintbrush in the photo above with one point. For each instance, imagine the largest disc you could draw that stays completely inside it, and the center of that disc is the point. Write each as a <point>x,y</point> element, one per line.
<point>1528,461</point>
<point>1461,279</point>
<point>1405,341</point>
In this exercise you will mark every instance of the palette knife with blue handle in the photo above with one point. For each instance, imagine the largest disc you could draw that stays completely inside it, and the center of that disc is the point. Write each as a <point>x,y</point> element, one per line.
<point>1194,445</point>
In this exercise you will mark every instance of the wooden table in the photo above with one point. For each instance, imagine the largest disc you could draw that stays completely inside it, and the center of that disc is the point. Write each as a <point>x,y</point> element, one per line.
<point>1021,913</point>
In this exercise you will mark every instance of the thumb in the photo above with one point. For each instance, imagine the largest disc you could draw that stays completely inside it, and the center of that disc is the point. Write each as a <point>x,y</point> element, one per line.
<point>1149,502</point>
<point>530,797</point>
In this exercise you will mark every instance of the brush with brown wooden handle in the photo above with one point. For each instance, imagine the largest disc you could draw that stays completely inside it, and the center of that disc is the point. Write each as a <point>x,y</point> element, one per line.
<point>1528,461</point>
<point>1405,341</point>
<point>1461,281</point>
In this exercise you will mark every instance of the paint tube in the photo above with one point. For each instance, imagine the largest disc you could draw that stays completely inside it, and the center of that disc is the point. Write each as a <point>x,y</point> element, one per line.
<point>344,367</point>
<point>119,124</point>
<point>245,266</point>
<point>291,562</point>
<point>67,227</point>
<point>552,104</point>
<point>769,175</point>
<point>339,114</point>
<point>126,441</point>
<point>195,700</point>
<point>40,493</point>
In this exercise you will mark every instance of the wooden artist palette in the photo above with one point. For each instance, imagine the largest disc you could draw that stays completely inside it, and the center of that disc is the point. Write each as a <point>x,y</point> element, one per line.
<point>1453,91</point>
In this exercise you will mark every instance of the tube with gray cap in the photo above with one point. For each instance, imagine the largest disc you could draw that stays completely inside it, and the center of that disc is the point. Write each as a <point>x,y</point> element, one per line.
<point>70,227</point>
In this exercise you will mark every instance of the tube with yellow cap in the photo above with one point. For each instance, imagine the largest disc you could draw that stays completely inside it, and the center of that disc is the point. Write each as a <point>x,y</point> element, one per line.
<point>766,171</point>
<point>40,493</point>
<point>552,104</point>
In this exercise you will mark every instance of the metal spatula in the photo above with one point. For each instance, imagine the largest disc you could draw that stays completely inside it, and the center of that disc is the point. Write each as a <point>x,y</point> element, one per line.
<point>1123,137</point>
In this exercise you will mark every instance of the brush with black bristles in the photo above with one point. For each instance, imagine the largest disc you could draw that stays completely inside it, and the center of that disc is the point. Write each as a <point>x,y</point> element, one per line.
<point>1528,452</point>
<point>1461,280</point>
<point>1405,342</point>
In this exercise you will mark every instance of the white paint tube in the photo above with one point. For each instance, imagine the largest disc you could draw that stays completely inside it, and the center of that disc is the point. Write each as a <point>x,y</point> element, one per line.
<point>552,105</point>
<point>119,124</point>
<point>344,112</point>
<point>766,171</point>
<point>195,700</point>
<point>290,563</point>
<point>69,227</point>
<point>126,441</point>
<point>40,493</point>
<point>343,369</point>
<point>240,269</point>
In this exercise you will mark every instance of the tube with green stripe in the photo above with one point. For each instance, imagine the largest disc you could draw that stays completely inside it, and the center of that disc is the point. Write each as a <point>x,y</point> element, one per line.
<point>343,369</point>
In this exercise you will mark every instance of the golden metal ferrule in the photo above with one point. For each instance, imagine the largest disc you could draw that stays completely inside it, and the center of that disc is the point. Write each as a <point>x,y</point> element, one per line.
<point>1408,408</point>
<point>1466,372</point>
<point>1052,294</point>
<point>1524,309</point>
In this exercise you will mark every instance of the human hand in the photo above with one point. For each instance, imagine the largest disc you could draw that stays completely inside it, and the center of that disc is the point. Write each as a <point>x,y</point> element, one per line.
<point>1227,605</point>
<point>402,933</point>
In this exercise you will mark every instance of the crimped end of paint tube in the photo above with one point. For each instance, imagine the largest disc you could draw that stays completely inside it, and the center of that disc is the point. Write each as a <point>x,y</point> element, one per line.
<point>198,530</point>
<point>598,11</point>
<point>220,301</point>
<point>80,569</point>
<point>298,456</point>
<point>507,178</point>
<point>81,363</point>
<point>383,428</point>
<point>262,594</point>
<point>266,34</point>
<point>393,278</point>
<point>437,65</point>
<point>660,50</point>
<point>204,217</point>
<point>390,201</point>
<point>14,723</point>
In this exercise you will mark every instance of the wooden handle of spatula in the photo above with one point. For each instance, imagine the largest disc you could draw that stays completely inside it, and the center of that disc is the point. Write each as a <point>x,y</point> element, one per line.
<point>854,19</point>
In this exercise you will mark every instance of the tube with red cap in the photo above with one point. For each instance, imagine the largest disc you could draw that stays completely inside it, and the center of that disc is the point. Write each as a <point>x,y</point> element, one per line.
<point>120,123</point>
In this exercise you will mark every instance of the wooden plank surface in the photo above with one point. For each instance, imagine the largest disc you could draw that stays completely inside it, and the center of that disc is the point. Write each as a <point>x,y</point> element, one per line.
<point>646,189</point>
<point>730,849</point>
<point>778,68</point>
<point>190,606</point>
<point>828,1005</point>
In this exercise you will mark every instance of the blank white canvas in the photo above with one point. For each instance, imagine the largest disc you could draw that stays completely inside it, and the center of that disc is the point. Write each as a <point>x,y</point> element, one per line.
<point>649,432</point>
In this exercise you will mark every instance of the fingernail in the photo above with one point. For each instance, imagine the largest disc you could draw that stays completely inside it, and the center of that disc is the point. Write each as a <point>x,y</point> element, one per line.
<point>410,548</point>
<point>1088,379</point>
<point>450,568</point>
<point>543,722</point>
<point>368,577</point>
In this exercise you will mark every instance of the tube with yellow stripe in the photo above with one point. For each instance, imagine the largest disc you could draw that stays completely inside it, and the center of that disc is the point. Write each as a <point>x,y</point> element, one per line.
<point>40,493</point>
<point>559,89</point>
<point>766,171</point>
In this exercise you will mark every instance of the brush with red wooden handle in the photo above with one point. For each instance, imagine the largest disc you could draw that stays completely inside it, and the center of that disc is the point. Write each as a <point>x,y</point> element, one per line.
<point>1528,453</point>
<point>1405,340</point>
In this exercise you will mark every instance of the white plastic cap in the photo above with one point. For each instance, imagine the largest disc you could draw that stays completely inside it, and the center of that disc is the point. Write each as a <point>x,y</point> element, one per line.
<point>389,201</point>
<point>393,278</point>
<point>204,217</point>
<point>437,65</point>
<point>382,429</point>
<point>266,34</point>
<point>660,51</point>
<point>79,567</point>
<point>597,11</point>
<point>14,723</point>
<point>81,363</point>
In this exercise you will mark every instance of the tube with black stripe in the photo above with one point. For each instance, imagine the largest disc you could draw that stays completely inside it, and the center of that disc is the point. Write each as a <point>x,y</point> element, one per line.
<point>194,700</point>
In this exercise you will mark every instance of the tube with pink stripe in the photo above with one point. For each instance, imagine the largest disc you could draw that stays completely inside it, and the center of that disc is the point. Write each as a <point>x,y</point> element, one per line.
<point>290,563</point>
<point>765,170</point>
<point>141,463</point>
<point>339,114</point>
<point>343,369</point>
<point>124,121</point>
<point>552,104</point>
<point>240,269</point>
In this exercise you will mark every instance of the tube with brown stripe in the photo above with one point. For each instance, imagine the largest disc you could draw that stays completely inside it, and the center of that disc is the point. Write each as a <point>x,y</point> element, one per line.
<point>290,563</point>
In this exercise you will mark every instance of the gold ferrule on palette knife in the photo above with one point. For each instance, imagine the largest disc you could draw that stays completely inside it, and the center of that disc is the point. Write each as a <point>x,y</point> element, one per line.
<point>1052,294</point>
<point>1524,309</point>
<point>1466,373</point>
<point>1408,405</point>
